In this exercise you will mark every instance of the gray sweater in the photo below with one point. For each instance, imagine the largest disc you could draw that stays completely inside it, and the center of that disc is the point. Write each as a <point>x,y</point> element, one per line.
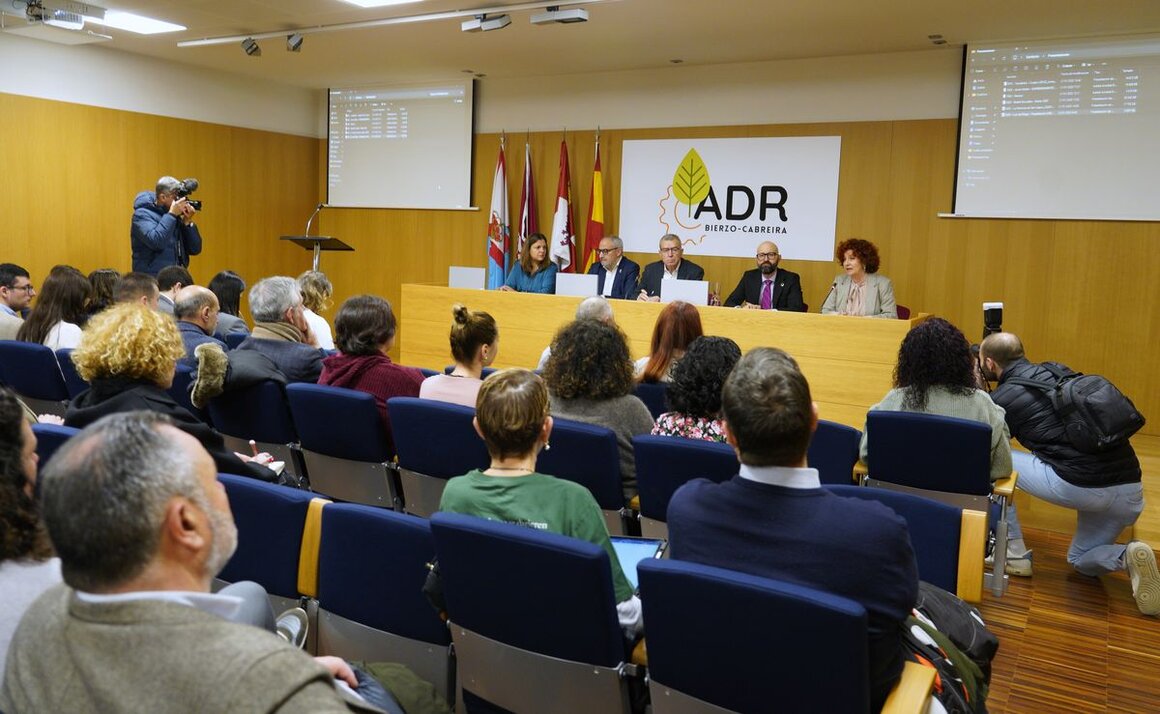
<point>976,406</point>
<point>627,416</point>
<point>156,656</point>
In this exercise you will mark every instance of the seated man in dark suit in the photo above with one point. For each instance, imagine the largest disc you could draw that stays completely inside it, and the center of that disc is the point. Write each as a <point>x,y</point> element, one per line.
<point>616,276</point>
<point>196,310</point>
<point>768,287</point>
<point>280,330</point>
<point>670,266</point>
<point>774,520</point>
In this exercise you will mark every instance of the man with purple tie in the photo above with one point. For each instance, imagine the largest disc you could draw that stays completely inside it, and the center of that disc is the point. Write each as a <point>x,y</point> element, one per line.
<point>768,287</point>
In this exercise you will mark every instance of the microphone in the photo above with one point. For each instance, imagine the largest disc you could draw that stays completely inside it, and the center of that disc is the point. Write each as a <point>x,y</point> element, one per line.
<point>827,297</point>
<point>311,219</point>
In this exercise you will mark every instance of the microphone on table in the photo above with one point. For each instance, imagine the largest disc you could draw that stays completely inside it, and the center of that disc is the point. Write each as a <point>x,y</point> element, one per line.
<point>827,297</point>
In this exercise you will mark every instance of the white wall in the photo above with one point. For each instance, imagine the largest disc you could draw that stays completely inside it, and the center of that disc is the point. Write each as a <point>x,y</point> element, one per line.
<point>905,85</point>
<point>104,77</point>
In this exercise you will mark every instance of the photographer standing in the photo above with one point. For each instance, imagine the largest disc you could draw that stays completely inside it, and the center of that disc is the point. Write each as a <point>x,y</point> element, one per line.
<point>163,230</point>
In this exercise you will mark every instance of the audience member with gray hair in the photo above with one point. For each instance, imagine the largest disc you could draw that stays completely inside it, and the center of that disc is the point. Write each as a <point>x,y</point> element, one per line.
<point>591,308</point>
<point>196,310</point>
<point>141,524</point>
<point>281,331</point>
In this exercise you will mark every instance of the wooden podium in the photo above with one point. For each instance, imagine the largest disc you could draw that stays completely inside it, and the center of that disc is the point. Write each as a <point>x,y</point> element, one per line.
<point>849,361</point>
<point>317,244</point>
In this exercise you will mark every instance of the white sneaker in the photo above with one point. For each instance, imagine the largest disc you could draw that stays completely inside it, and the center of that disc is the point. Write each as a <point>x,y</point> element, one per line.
<point>1141,562</point>
<point>1018,566</point>
<point>292,626</point>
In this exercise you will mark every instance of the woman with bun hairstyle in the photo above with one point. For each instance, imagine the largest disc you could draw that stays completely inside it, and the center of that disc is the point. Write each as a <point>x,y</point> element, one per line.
<point>474,345</point>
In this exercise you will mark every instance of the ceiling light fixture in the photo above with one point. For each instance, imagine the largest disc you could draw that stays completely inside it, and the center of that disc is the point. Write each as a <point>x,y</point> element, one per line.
<point>250,45</point>
<point>131,22</point>
<point>564,17</point>
<point>294,42</point>
<point>403,20</point>
<point>483,23</point>
<point>378,3</point>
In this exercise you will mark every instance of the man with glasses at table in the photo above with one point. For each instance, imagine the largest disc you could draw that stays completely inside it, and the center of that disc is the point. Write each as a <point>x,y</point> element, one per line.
<point>669,267</point>
<point>768,287</point>
<point>16,292</point>
<point>616,276</point>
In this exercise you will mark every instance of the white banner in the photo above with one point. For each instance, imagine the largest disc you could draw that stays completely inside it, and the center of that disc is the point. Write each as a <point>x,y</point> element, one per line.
<point>725,196</point>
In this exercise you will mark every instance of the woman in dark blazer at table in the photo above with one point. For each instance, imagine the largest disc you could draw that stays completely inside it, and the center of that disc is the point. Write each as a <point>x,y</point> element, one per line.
<point>535,272</point>
<point>860,290</point>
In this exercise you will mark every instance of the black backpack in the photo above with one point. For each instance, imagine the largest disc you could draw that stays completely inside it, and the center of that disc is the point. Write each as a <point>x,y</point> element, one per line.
<point>1096,415</point>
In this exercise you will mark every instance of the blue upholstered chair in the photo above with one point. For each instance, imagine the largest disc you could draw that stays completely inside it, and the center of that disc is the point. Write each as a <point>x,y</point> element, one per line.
<point>944,458</point>
<point>665,463</point>
<point>435,442</point>
<point>68,370</point>
<point>949,542</point>
<point>278,532</point>
<point>487,371</point>
<point>589,455</point>
<point>234,339</point>
<point>655,396</point>
<point>720,641</point>
<point>259,412</point>
<point>834,451</point>
<point>49,438</point>
<point>341,435</point>
<point>31,370</point>
<point>371,607</point>
<point>533,617</point>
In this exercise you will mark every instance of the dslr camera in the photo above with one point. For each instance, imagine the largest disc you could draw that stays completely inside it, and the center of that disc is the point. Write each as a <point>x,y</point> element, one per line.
<point>187,187</point>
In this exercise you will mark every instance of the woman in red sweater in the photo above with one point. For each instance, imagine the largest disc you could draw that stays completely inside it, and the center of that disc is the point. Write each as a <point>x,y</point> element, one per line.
<point>364,332</point>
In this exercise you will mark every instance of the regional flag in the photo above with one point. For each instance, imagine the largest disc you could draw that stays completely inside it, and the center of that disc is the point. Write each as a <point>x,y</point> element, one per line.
<point>563,237</point>
<point>528,222</point>
<point>498,229</point>
<point>595,230</point>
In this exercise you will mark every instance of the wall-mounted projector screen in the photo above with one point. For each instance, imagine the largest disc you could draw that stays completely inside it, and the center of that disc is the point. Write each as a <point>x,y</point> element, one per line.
<point>1064,129</point>
<point>400,147</point>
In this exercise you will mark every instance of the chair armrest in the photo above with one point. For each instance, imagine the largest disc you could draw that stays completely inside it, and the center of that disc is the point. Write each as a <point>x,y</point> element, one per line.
<point>640,653</point>
<point>972,541</point>
<point>634,503</point>
<point>911,693</point>
<point>1005,486</point>
<point>861,471</point>
<point>308,553</point>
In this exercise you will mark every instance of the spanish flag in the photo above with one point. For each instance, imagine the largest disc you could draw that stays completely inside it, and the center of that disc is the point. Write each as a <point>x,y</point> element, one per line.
<point>595,231</point>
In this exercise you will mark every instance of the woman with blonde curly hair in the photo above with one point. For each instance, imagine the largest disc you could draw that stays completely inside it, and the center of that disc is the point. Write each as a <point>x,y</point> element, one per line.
<point>316,291</point>
<point>129,355</point>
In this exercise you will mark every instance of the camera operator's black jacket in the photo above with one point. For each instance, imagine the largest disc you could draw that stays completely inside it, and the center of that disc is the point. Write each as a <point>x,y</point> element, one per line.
<point>1033,421</point>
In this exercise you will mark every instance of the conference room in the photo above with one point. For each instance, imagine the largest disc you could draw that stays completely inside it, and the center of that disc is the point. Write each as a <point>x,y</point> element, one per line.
<point>90,122</point>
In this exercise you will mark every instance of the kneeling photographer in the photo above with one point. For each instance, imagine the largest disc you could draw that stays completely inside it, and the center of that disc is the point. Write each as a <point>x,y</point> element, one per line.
<point>163,230</point>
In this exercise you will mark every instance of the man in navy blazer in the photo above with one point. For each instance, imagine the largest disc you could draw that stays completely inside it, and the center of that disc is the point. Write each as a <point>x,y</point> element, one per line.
<point>785,287</point>
<point>670,265</point>
<point>624,272</point>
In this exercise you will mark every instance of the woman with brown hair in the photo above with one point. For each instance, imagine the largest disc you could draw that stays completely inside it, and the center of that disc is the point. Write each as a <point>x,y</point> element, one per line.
<point>860,290</point>
<point>102,281</point>
<point>677,326</point>
<point>60,309</point>
<point>535,272</point>
<point>511,415</point>
<point>589,374</point>
<point>27,565</point>
<point>474,345</point>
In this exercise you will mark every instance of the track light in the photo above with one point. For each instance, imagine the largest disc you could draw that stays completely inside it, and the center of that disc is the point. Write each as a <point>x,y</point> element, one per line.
<point>250,45</point>
<point>483,23</point>
<point>293,42</point>
<point>564,17</point>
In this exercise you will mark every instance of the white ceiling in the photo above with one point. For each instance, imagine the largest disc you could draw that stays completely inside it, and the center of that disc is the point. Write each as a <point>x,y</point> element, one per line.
<point>621,34</point>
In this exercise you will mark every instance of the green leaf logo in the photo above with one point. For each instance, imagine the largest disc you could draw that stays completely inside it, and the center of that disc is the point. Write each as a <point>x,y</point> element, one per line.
<point>691,181</point>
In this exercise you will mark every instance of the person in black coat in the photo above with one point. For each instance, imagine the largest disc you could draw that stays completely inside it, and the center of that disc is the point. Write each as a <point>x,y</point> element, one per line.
<point>671,263</point>
<point>785,287</point>
<point>129,355</point>
<point>625,273</point>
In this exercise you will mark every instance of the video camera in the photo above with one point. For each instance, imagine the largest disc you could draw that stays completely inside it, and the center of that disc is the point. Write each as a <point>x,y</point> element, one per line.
<point>187,187</point>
